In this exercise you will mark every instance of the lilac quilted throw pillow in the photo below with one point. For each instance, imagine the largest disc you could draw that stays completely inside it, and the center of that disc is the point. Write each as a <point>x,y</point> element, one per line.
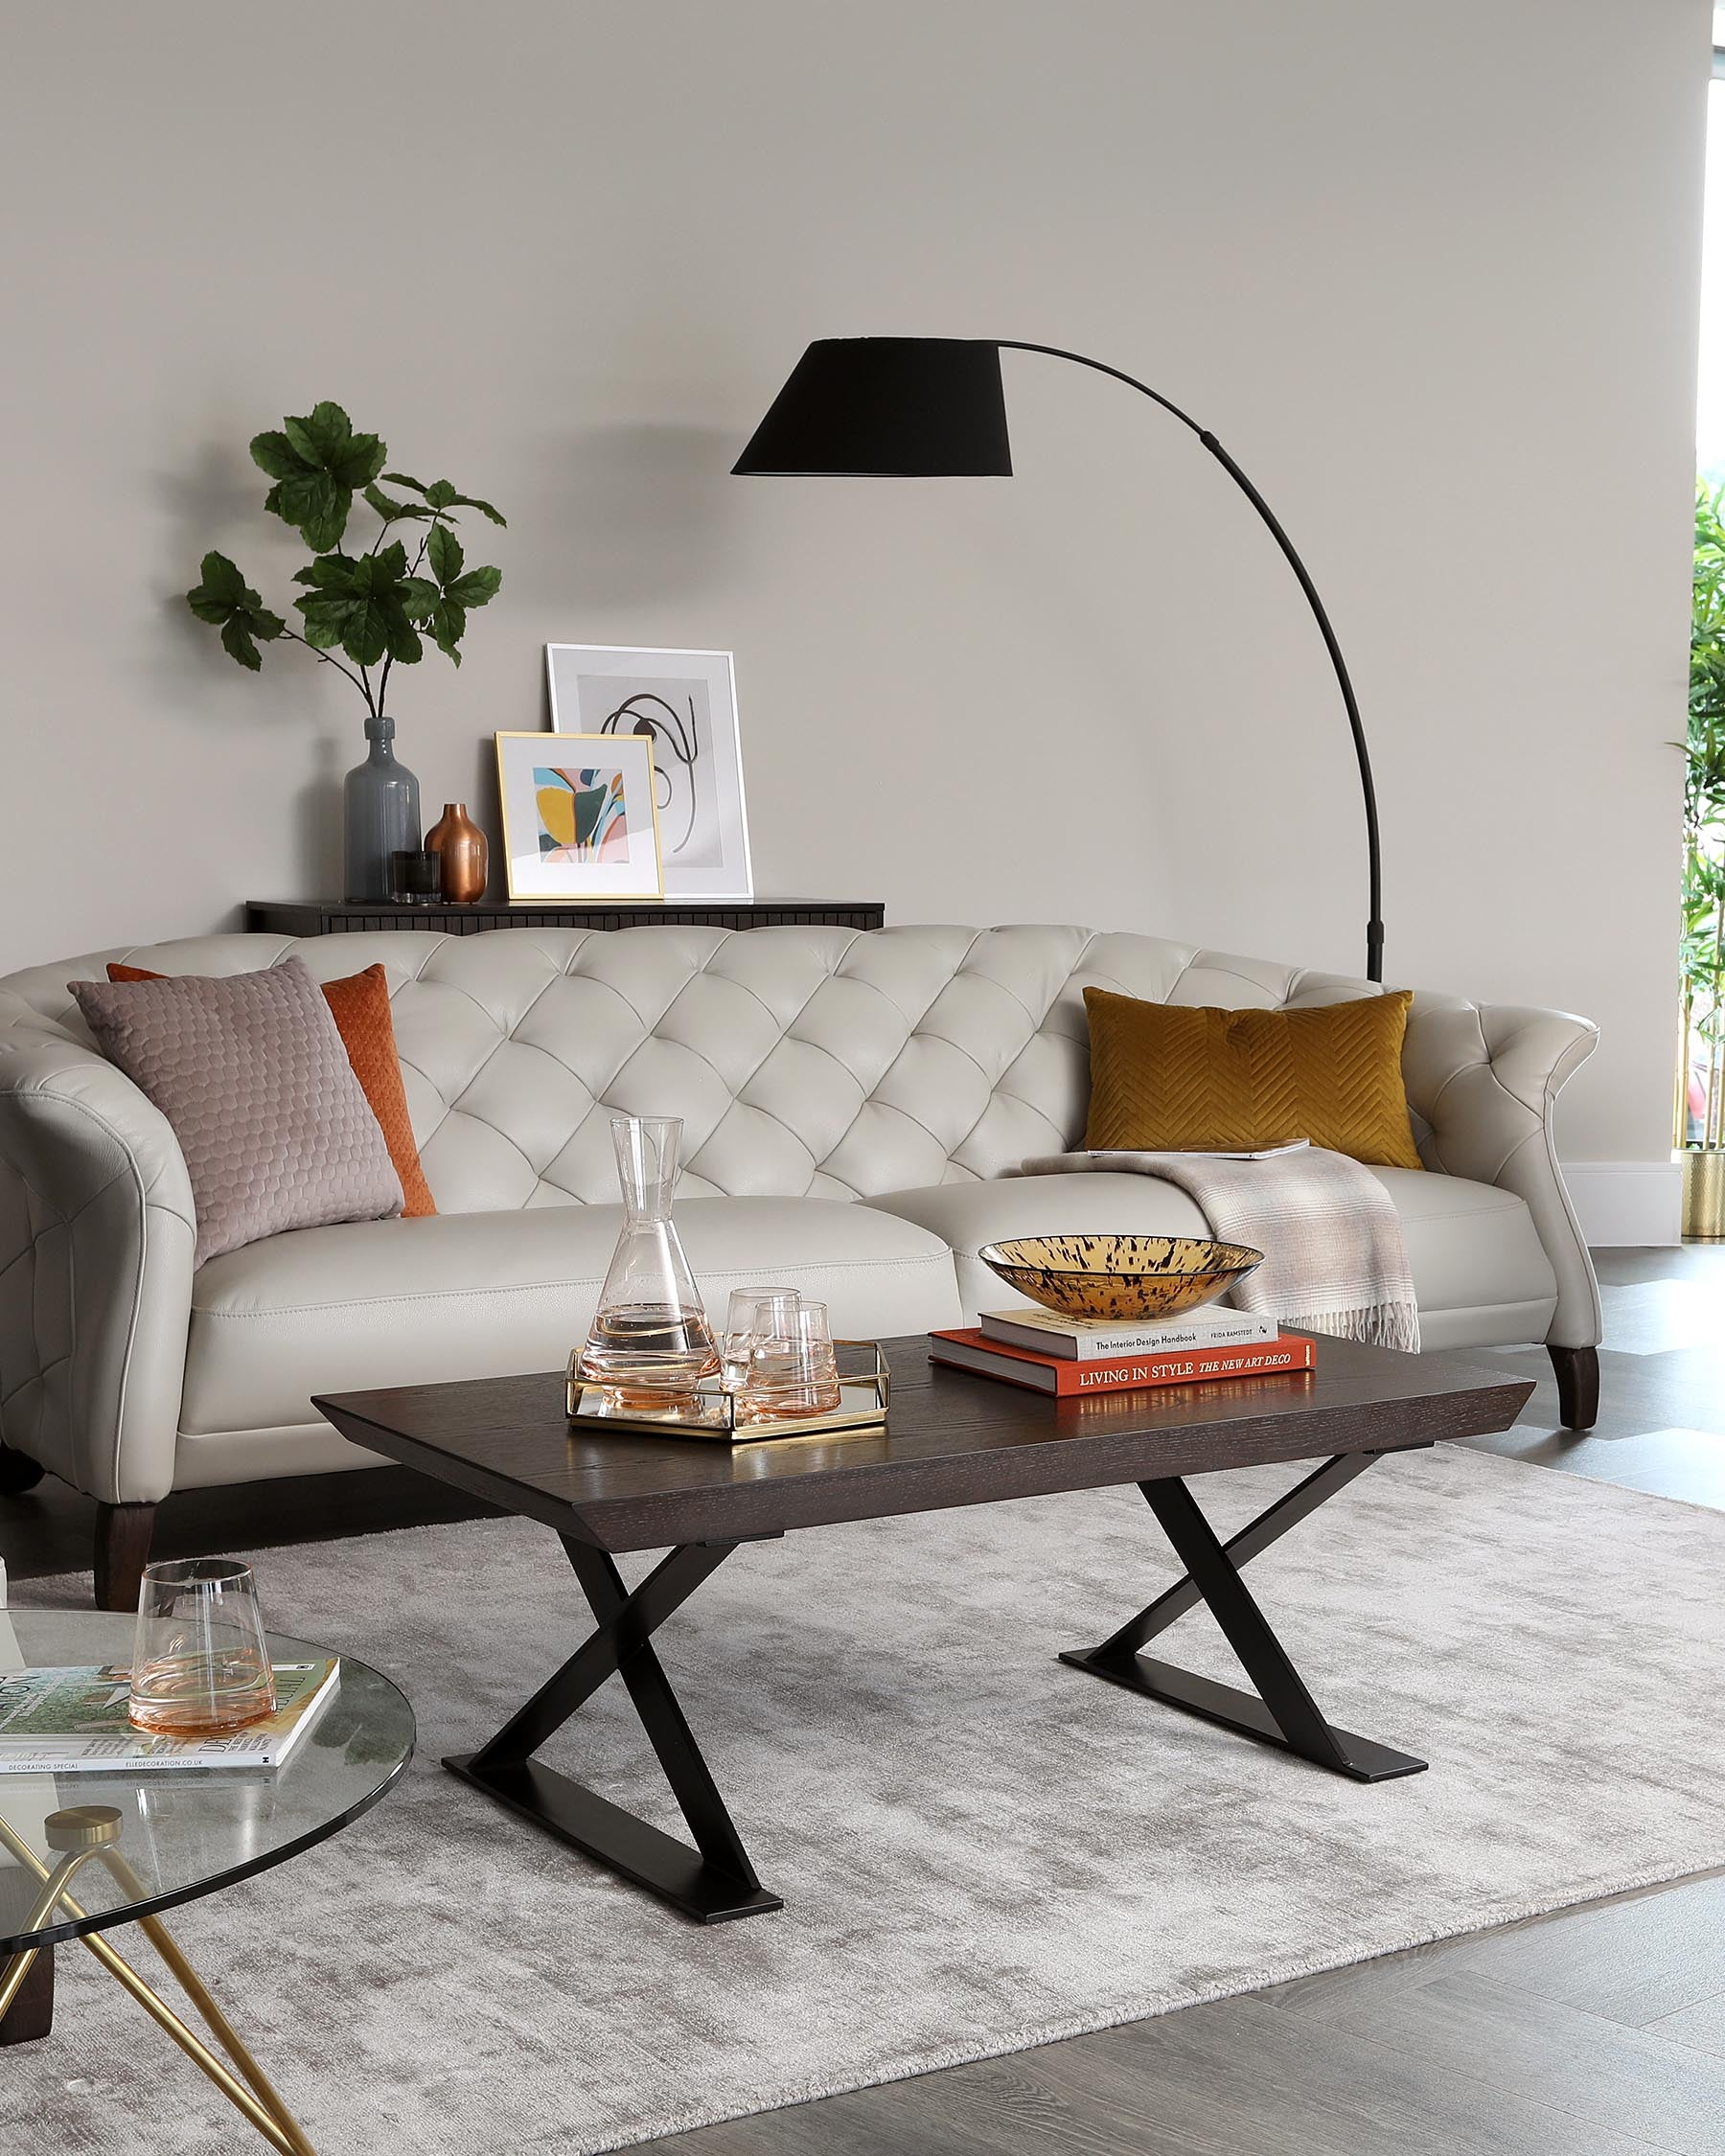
<point>251,1072</point>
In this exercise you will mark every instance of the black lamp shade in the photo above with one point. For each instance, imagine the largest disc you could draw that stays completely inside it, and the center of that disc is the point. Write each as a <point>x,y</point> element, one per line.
<point>887,408</point>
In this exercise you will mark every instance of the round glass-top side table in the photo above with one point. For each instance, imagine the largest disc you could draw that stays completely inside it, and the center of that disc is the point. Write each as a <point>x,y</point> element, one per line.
<point>83,1852</point>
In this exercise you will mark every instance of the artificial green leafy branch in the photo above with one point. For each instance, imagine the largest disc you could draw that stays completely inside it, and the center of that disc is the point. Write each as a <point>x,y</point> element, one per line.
<point>370,607</point>
<point>228,603</point>
<point>1702,947</point>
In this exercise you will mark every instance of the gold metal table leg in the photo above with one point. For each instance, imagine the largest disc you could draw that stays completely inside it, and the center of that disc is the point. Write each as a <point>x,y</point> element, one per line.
<point>87,1834</point>
<point>197,1991</point>
<point>282,2136</point>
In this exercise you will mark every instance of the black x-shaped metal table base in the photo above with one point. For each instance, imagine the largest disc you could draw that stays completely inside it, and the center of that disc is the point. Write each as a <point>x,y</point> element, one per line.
<point>1282,1711</point>
<point>713,1881</point>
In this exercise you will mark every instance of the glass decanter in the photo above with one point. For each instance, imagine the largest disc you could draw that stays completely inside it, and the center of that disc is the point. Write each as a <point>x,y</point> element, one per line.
<point>650,1341</point>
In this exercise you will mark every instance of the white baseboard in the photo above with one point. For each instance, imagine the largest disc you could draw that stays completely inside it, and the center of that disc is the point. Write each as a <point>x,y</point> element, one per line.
<point>1628,1205</point>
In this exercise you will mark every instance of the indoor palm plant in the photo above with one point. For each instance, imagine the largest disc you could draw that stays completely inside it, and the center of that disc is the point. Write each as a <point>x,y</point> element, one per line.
<point>365,609</point>
<point>1701,1076</point>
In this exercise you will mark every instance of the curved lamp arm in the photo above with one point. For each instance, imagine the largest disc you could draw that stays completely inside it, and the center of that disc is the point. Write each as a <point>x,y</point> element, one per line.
<point>935,407</point>
<point>1374,926</point>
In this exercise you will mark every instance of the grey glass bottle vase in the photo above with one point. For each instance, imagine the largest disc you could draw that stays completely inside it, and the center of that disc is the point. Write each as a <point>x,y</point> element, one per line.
<point>381,812</point>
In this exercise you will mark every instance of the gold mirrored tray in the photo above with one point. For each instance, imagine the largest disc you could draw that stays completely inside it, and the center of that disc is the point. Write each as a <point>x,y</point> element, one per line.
<point>711,1413</point>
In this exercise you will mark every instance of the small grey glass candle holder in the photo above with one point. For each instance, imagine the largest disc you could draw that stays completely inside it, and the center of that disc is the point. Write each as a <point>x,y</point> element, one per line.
<point>416,877</point>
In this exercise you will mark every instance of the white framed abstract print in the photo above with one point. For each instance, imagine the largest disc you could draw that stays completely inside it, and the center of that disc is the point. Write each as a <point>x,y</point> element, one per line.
<point>684,704</point>
<point>580,817</point>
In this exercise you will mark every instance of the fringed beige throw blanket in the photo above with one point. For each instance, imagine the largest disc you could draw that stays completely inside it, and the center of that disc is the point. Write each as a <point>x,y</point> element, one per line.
<point>1334,1259</point>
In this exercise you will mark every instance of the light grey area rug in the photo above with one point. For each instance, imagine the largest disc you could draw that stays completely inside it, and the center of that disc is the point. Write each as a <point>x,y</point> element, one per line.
<point>978,1847</point>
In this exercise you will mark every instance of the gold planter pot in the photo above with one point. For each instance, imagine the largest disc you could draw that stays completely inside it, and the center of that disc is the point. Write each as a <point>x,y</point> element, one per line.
<point>1704,1195</point>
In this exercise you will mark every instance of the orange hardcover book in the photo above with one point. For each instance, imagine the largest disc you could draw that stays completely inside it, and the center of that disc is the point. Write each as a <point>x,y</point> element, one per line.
<point>969,1349</point>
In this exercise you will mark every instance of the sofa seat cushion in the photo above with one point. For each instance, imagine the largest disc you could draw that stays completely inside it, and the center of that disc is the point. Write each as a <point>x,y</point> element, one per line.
<point>493,1295</point>
<point>1480,1274</point>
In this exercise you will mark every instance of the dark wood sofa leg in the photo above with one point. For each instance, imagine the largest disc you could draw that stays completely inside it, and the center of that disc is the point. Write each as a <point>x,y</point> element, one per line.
<point>123,1533</point>
<point>31,2015</point>
<point>1577,1371</point>
<point>18,1472</point>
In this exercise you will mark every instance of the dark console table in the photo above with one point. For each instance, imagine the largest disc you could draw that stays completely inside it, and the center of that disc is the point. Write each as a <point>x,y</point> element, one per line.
<point>323,917</point>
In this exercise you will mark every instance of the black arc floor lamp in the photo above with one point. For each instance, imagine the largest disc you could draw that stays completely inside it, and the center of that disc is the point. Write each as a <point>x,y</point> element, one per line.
<point>933,407</point>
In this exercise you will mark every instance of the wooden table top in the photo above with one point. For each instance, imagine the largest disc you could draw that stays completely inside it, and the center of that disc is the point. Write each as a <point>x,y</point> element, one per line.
<point>952,1438</point>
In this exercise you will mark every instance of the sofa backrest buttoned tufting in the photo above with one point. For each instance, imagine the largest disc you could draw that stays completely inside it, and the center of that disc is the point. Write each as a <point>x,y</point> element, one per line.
<point>804,1061</point>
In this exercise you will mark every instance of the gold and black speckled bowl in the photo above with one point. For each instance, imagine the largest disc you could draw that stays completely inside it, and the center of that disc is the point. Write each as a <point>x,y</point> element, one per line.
<point>1118,1277</point>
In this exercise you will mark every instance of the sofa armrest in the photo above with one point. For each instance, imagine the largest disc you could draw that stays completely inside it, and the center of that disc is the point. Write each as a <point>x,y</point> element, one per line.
<point>96,1233</point>
<point>1484,1079</point>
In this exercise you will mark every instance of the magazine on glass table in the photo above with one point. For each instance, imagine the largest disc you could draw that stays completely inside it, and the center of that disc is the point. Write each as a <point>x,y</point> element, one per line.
<point>73,1720</point>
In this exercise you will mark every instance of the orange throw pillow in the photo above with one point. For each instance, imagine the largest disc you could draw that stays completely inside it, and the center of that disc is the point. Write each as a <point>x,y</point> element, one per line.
<point>360,1005</point>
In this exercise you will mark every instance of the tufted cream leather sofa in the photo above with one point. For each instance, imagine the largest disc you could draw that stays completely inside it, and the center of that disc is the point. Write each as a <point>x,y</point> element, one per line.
<point>854,1106</point>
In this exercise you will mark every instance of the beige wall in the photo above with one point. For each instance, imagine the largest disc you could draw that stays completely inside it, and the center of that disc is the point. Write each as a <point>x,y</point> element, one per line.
<point>1429,271</point>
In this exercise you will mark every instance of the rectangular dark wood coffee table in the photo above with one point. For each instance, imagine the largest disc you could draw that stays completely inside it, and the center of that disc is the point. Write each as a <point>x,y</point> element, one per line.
<point>953,1438</point>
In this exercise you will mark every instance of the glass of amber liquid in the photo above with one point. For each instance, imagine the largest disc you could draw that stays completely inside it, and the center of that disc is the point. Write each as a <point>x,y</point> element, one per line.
<point>200,1662</point>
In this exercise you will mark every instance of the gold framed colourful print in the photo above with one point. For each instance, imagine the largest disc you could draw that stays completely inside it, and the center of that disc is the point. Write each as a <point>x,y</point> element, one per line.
<point>580,818</point>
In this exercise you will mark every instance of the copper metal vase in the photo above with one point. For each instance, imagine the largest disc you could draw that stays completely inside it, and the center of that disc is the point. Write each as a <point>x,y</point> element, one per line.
<point>461,842</point>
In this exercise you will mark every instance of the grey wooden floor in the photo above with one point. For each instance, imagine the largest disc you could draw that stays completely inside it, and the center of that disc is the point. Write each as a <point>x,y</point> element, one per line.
<point>1599,2032</point>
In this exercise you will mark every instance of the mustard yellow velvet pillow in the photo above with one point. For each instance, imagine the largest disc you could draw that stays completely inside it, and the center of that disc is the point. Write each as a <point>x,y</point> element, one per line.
<point>1171,1079</point>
